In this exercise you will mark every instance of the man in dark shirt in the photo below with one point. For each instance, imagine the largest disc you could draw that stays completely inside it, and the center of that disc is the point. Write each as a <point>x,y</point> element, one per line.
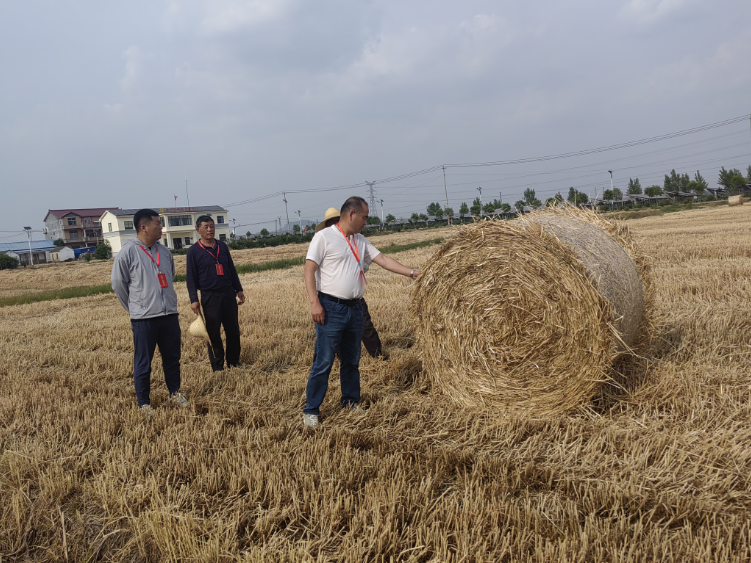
<point>210,269</point>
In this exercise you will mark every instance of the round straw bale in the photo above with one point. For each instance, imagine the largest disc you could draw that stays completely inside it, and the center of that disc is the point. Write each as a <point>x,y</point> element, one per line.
<point>609,267</point>
<point>620,231</point>
<point>526,314</point>
<point>735,200</point>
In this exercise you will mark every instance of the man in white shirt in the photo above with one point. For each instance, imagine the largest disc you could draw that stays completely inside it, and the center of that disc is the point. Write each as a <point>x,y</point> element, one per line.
<point>370,337</point>
<point>338,253</point>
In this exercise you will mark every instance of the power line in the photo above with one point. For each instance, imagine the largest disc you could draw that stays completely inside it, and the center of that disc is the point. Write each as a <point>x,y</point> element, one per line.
<point>527,160</point>
<point>608,147</point>
<point>649,177</point>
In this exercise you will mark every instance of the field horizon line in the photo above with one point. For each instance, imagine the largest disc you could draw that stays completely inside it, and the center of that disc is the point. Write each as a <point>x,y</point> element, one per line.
<point>280,264</point>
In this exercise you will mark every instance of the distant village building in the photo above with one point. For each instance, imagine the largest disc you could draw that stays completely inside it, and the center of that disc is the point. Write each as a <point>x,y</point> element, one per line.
<point>501,214</point>
<point>40,250</point>
<point>64,254</point>
<point>681,196</point>
<point>179,225</point>
<point>76,227</point>
<point>720,191</point>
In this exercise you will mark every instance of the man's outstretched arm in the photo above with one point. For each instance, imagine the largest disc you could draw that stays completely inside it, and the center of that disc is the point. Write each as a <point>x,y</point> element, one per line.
<point>392,265</point>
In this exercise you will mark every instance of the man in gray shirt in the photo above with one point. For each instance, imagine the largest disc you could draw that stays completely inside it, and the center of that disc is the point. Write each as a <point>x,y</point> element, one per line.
<point>142,280</point>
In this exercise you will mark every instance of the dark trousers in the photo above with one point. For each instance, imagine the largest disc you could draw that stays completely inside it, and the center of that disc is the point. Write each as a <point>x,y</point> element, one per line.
<point>147,334</point>
<point>370,334</point>
<point>220,309</point>
<point>341,330</point>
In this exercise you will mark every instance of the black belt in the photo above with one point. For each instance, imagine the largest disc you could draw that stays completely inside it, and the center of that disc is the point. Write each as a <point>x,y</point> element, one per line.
<point>222,290</point>
<point>347,302</point>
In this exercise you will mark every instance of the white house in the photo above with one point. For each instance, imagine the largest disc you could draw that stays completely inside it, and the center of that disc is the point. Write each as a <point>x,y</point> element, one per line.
<point>63,254</point>
<point>179,225</point>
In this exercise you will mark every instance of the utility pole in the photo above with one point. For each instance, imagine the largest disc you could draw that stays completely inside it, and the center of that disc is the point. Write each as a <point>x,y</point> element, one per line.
<point>371,195</point>
<point>299,217</point>
<point>611,181</point>
<point>280,224</point>
<point>480,190</point>
<point>31,256</point>
<point>381,212</point>
<point>445,190</point>
<point>284,195</point>
<point>186,191</point>
<point>234,226</point>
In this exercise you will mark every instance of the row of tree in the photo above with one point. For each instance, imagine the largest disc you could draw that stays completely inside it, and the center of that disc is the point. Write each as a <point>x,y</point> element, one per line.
<point>731,180</point>
<point>530,199</point>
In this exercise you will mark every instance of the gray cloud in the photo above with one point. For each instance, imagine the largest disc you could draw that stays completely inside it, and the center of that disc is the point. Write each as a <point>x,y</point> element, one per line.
<point>112,105</point>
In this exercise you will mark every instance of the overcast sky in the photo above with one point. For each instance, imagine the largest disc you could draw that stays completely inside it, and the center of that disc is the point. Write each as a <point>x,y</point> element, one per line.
<point>113,103</point>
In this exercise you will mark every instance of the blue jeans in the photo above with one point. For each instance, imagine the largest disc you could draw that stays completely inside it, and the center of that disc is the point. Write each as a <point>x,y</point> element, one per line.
<point>342,330</point>
<point>147,333</point>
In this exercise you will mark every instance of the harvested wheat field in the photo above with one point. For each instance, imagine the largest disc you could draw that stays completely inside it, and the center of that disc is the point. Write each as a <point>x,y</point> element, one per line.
<point>655,468</point>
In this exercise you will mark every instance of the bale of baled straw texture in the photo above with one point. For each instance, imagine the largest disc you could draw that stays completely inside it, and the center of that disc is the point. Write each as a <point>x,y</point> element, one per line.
<point>620,231</point>
<point>528,314</point>
<point>735,200</point>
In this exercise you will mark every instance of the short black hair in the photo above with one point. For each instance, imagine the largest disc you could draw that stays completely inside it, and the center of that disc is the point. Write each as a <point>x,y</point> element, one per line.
<point>142,217</point>
<point>332,221</point>
<point>203,219</point>
<point>354,203</point>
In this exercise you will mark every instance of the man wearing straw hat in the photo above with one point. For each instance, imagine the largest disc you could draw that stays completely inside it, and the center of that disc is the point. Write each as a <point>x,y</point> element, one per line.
<point>338,252</point>
<point>210,268</point>
<point>370,338</point>
<point>142,280</point>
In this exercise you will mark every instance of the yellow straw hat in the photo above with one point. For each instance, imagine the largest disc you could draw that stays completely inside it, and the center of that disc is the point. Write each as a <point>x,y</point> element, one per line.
<point>331,213</point>
<point>198,328</point>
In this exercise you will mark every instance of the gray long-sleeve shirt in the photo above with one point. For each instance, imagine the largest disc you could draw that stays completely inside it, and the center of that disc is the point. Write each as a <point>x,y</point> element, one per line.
<point>136,283</point>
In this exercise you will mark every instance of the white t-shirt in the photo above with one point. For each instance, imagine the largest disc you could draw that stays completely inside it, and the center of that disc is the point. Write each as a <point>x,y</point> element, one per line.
<point>338,273</point>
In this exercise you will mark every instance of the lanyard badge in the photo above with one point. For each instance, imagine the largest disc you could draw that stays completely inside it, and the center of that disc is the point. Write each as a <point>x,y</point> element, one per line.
<point>356,254</point>
<point>219,267</point>
<point>160,276</point>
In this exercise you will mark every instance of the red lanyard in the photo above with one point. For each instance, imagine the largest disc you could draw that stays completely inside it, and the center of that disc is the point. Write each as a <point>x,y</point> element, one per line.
<point>158,257</point>
<point>218,248</point>
<point>354,252</point>
<point>160,276</point>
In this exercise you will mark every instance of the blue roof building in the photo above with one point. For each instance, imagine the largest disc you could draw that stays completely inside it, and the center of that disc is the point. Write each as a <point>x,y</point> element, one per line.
<point>23,245</point>
<point>40,249</point>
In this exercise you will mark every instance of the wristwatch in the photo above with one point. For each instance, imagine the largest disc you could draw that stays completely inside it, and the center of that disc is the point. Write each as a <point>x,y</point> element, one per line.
<point>412,274</point>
